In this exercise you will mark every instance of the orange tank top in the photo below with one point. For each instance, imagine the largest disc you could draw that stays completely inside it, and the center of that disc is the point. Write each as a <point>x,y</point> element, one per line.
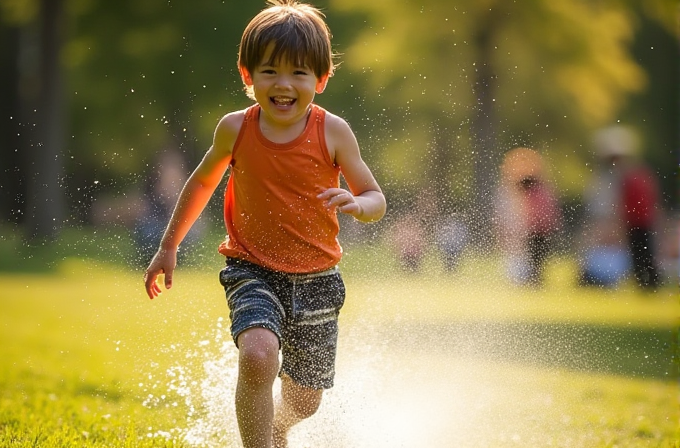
<point>271,211</point>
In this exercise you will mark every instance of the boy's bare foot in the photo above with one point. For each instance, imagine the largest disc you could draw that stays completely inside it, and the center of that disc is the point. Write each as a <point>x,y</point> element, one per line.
<point>279,439</point>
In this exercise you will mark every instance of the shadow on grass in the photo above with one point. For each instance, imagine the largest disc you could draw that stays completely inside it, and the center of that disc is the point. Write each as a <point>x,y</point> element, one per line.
<point>111,393</point>
<point>18,255</point>
<point>630,352</point>
<point>113,245</point>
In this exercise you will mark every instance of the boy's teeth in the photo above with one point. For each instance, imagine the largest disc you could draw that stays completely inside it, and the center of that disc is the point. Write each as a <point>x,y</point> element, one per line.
<point>283,100</point>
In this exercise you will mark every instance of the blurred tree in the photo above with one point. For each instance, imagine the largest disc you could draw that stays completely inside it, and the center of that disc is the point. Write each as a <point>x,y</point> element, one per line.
<point>436,91</point>
<point>11,185</point>
<point>34,120</point>
<point>656,111</point>
<point>485,76</point>
<point>164,77</point>
<point>140,76</point>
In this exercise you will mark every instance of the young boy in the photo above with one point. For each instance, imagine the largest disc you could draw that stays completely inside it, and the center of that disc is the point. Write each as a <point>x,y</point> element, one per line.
<point>281,279</point>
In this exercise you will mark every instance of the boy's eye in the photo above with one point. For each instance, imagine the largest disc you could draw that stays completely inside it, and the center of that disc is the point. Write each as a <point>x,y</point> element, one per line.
<point>268,71</point>
<point>300,72</point>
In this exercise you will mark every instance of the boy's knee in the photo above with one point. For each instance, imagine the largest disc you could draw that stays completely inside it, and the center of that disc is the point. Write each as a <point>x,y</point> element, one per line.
<point>258,355</point>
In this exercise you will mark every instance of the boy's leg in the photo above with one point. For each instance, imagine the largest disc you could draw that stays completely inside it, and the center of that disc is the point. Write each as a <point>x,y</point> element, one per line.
<point>256,314</point>
<point>294,404</point>
<point>308,346</point>
<point>258,368</point>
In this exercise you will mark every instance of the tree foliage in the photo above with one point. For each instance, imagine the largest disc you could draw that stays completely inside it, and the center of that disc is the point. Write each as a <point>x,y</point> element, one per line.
<point>559,70</point>
<point>436,90</point>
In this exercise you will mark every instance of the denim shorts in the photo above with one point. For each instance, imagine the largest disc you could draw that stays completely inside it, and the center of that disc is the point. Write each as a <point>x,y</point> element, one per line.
<point>301,309</point>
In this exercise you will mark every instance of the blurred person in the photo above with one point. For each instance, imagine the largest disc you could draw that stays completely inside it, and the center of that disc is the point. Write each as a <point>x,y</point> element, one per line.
<point>605,261</point>
<point>527,215</point>
<point>282,283</point>
<point>624,200</point>
<point>640,198</point>
<point>414,228</point>
<point>408,240</point>
<point>145,208</point>
<point>451,239</point>
<point>163,181</point>
<point>543,221</point>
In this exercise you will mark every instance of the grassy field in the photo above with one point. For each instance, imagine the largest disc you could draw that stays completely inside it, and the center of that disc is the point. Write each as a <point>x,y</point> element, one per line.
<point>426,360</point>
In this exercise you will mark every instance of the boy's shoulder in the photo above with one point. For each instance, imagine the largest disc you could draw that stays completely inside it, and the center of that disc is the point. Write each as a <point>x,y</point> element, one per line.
<point>227,130</point>
<point>232,121</point>
<point>336,124</point>
<point>340,138</point>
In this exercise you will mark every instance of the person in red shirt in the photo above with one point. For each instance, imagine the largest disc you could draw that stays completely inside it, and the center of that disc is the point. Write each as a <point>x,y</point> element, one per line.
<point>286,155</point>
<point>639,209</point>
<point>543,221</point>
<point>528,215</point>
<point>632,200</point>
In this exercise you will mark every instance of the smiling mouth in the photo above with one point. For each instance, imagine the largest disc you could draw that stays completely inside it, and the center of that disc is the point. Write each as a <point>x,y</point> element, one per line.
<point>282,100</point>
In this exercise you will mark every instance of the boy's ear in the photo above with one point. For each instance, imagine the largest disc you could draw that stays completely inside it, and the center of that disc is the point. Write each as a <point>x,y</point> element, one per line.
<point>322,83</point>
<point>245,76</point>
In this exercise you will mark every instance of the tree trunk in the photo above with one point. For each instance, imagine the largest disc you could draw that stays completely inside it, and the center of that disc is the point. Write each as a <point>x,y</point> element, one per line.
<point>12,184</point>
<point>45,163</point>
<point>486,155</point>
<point>441,161</point>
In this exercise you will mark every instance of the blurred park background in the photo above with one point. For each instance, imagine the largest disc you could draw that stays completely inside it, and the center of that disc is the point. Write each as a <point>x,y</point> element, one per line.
<point>107,106</point>
<point>102,99</point>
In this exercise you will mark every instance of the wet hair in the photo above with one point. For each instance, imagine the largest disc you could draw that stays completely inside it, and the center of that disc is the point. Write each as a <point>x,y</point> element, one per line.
<point>297,31</point>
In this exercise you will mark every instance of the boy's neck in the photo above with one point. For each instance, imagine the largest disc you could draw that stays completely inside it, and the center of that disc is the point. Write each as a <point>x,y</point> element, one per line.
<point>283,133</point>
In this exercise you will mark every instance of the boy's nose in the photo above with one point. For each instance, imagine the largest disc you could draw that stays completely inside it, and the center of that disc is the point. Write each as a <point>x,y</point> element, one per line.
<point>282,82</point>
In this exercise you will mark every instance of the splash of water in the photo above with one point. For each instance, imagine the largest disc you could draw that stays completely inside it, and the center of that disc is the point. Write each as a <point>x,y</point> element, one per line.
<point>458,387</point>
<point>205,382</point>
<point>378,400</point>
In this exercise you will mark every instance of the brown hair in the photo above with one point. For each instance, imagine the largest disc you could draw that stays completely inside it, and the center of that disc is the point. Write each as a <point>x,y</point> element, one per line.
<point>298,32</point>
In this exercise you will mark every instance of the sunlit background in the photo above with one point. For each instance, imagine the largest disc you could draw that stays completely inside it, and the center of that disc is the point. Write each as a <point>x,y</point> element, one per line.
<point>93,92</point>
<point>108,106</point>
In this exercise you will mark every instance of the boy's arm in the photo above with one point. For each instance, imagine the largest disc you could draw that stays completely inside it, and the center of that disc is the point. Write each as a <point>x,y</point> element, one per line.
<point>365,200</point>
<point>192,200</point>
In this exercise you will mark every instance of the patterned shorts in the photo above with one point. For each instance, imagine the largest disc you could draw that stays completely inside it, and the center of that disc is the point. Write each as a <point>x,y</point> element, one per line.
<point>301,309</point>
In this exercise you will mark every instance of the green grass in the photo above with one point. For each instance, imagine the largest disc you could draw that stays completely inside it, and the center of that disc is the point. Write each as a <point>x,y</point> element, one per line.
<point>66,376</point>
<point>86,359</point>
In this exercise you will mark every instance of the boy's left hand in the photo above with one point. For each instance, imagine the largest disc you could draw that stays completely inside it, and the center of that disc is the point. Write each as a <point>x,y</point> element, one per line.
<point>343,200</point>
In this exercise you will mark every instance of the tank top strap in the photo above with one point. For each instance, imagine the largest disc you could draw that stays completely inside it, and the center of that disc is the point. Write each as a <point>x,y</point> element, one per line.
<point>319,117</point>
<point>252,113</point>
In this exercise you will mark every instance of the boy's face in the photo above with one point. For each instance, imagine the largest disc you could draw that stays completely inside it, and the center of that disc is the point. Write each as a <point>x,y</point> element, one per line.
<point>283,90</point>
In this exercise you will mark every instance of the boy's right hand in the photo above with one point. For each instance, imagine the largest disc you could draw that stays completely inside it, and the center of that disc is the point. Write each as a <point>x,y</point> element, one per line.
<point>163,262</point>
